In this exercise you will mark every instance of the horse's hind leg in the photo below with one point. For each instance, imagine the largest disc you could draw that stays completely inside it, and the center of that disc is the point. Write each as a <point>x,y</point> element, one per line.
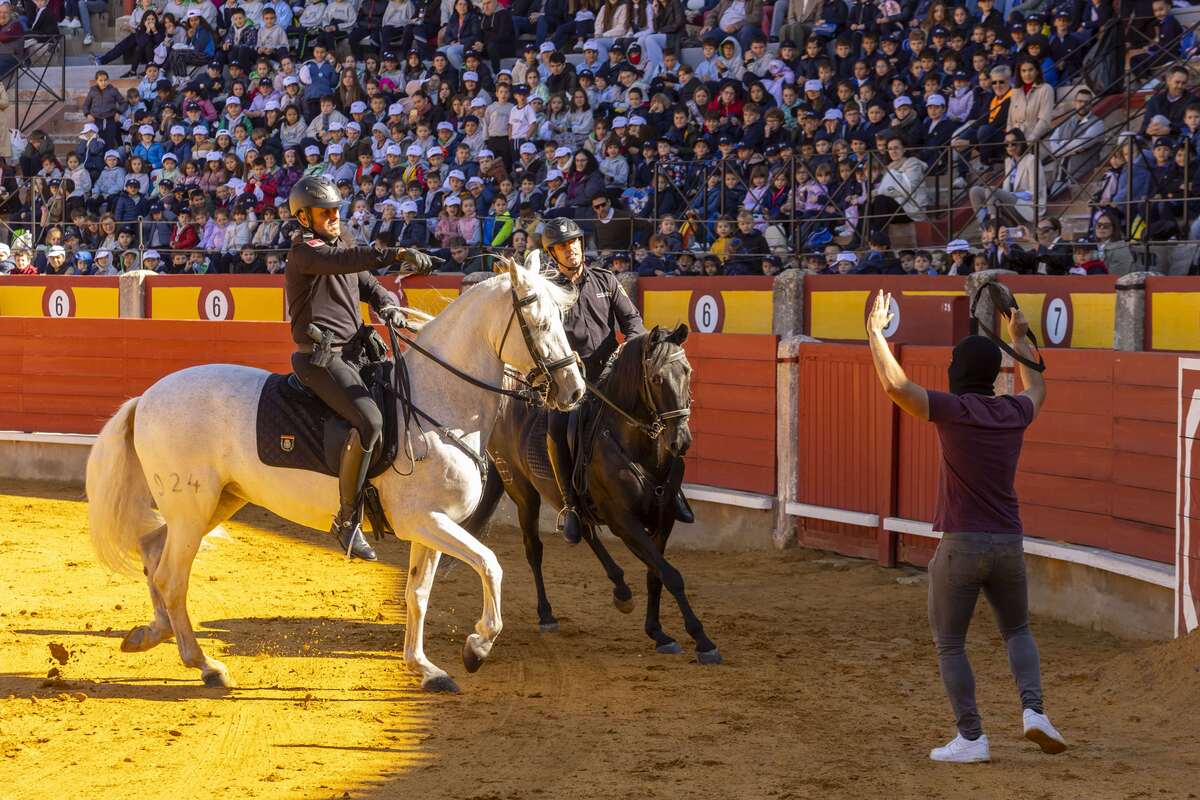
<point>188,520</point>
<point>622,594</point>
<point>144,637</point>
<point>529,503</point>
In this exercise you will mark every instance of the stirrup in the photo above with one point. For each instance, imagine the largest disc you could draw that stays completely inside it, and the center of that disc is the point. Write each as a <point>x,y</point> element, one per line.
<point>349,535</point>
<point>569,523</point>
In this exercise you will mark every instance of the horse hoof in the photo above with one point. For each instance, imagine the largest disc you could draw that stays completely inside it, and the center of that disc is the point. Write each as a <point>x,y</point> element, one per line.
<point>623,604</point>
<point>709,656</point>
<point>548,627</point>
<point>472,659</point>
<point>442,684</point>
<point>218,680</point>
<point>141,639</point>
<point>669,649</point>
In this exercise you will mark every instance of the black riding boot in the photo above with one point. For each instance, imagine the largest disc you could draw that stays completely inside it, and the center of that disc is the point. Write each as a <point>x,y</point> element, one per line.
<point>683,511</point>
<point>352,475</point>
<point>559,456</point>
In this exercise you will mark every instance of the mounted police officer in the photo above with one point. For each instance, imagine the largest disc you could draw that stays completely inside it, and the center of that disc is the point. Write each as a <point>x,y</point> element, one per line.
<point>601,309</point>
<point>327,276</point>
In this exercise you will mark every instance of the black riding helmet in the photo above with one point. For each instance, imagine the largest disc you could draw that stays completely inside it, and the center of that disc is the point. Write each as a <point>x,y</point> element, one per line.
<point>557,231</point>
<point>313,191</point>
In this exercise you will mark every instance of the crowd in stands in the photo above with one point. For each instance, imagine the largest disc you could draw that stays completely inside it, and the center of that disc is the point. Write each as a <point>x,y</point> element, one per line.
<point>803,132</point>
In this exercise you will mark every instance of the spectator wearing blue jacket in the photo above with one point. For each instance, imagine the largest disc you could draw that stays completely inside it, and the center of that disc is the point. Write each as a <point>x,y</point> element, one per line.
<point>150,151</point>
<point>130,205</point>
<point>319,79</point>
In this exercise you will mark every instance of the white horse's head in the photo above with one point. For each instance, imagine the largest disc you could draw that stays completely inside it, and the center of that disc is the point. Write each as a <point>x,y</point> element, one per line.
<point>533,339</point>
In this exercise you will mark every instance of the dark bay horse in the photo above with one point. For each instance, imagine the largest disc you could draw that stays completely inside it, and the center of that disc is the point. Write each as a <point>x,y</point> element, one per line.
<point>629,462</point>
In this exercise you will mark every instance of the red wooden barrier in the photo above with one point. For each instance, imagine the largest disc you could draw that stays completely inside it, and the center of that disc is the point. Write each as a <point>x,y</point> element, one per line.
<point>1097,469</point>
<point>69,376</point>
<point>845,442</point>
<point>733,411</point>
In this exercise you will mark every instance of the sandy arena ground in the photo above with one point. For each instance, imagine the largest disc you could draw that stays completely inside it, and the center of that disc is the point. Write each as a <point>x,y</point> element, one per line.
<point>830,687</point>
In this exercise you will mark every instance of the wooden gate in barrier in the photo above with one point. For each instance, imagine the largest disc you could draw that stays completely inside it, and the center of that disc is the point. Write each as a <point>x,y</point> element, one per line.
<point>1098,467</point>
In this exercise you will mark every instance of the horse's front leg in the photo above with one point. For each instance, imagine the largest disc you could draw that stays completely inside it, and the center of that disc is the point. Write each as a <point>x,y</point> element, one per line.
<point>631,531</point>
<point>622,594</point>
<point>422,567</point>
<point>439,532</point>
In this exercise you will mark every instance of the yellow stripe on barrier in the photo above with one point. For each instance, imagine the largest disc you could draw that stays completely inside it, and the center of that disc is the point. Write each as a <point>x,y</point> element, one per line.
<point>667,309</point>
<point>175,302</point>
<point>97,302</point>
<point>257,303</point>
<point>838,315</point>
<point>1175,320</point>
<point>1032,305</point>
<point>1093,326</point>
<point>431,300</point>
<point>746,311</point>
<point>21,301</point>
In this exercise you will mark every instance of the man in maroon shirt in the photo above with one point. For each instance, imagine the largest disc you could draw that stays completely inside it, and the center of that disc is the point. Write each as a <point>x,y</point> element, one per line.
<point>979,520</point>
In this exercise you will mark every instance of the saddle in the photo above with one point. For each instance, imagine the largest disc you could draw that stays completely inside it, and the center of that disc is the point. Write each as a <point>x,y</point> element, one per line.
<point>581,433</point>
<point>296,430</point>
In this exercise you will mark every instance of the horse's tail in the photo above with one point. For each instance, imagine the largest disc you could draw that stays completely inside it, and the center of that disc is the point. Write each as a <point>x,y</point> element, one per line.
<point>493,489</point>
<point>120,507</point>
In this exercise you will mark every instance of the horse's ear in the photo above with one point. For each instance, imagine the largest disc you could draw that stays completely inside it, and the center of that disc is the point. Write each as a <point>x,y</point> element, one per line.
<point>680,333</point>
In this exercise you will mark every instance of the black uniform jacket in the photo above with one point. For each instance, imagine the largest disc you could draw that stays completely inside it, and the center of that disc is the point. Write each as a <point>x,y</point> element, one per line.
<point>601,309</point>
<point>325,283</point>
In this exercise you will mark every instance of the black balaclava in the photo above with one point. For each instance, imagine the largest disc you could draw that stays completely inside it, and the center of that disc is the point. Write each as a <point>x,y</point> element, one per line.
<point>974,366</point>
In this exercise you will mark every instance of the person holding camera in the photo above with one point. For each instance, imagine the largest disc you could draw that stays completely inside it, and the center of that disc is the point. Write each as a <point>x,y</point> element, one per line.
<point>978,517</point>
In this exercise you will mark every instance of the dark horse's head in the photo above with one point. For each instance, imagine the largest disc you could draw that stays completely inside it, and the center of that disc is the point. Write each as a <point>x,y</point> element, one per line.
<point>652,379</point>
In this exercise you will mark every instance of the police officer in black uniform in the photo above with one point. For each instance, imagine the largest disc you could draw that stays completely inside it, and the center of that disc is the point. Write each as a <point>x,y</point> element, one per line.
<point>327,276</point>
<point>601,309</point>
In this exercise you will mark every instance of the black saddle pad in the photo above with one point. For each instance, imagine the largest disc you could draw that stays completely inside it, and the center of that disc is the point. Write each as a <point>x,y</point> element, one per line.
<point>535,449</point>
<point>295,429</point>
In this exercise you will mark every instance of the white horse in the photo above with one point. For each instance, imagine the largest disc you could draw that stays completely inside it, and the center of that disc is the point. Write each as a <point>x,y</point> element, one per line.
<point>173,464</point>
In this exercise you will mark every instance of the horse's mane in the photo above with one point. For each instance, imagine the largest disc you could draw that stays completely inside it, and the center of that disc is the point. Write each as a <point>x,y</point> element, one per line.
<point>562,296</point>
<point>622,379</point>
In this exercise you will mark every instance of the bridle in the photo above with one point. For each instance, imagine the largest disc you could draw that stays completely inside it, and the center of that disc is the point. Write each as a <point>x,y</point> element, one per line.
<point>536,384</point>
<point>539,380</point>
<point>659,420</point>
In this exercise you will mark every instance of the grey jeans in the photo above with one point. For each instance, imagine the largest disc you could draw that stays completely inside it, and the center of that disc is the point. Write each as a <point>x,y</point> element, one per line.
<point>964,564</point>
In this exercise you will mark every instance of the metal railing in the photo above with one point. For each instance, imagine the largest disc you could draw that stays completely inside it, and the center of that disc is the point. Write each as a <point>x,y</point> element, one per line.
<point>40,71</point>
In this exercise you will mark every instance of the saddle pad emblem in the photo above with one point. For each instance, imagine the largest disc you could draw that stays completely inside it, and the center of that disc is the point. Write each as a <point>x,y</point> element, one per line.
<point>287,443</point>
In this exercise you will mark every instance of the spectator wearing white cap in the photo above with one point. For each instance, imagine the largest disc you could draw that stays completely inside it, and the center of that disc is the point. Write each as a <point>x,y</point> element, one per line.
<point>6,260</point>
<point>90,149</point>
<point>411,230</point>
<point>147,149</point>
<point>56,261</point>
<point>936,130</point>
<point>905,122</point>
<point>529,164</point>
<point>151,260</point>
<point>959,252</point>
<point>234,116</point>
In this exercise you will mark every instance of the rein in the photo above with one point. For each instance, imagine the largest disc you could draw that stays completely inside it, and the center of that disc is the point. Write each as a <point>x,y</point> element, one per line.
<point>657,424</point>
<point>536,388</point>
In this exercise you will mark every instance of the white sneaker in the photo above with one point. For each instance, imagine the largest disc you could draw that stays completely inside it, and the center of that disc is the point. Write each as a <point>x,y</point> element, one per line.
<point>72,23</point>
<point>87,40</point>
<point>963,751</point>
<point>960,182</point>
<point>1038,729</point>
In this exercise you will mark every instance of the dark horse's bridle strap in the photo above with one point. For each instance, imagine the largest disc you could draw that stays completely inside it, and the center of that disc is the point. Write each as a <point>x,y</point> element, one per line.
<point>1006,305</point>
<point>655,427</point>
